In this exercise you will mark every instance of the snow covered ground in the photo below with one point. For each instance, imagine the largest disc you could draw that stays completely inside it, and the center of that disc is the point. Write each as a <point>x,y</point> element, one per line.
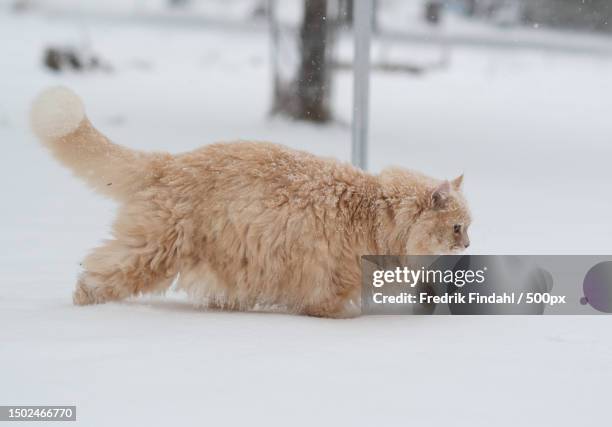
<point>531,131</point>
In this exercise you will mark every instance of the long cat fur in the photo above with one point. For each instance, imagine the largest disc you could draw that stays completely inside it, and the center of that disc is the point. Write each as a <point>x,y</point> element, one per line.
<point>245,225</point>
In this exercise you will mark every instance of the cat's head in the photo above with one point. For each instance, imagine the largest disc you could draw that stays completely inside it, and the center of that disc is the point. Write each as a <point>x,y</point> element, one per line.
<point>430,217</point>
<point>443,224</point>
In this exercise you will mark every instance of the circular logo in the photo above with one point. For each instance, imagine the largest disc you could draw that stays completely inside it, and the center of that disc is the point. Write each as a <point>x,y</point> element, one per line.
<point>597,287</point>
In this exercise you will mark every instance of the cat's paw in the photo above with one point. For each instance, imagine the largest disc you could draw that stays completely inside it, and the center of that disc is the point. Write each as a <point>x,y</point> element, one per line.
<point>336,311</point>
<point>82,294</point>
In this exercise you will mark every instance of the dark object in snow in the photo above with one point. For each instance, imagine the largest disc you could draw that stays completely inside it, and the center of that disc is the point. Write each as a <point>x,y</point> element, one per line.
<point>433,12</point>
<point>260,10</point>
<point>22,5</point>
<point>397,67</point>
<point>590,15</point>
<point>67,58</point>
<point>178,3</point>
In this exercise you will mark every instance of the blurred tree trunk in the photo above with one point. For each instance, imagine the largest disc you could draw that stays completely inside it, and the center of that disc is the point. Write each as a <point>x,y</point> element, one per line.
<point>433,12</point>
<point>313,76</point>
<point>302,79</point>
<point>346,12</point>
<point>471,7</point>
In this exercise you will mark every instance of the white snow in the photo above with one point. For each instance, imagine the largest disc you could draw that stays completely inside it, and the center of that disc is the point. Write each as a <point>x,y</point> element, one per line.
<point>531,131</point>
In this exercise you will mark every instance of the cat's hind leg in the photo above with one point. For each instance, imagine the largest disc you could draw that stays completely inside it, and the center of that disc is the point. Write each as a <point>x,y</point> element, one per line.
<point>118,270</point>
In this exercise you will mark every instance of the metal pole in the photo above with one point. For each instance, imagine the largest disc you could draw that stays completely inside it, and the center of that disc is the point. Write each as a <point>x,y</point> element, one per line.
<point>362,25</point>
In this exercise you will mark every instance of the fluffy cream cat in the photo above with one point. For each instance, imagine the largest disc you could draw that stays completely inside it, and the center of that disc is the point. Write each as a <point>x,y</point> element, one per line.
<point>247,224</point>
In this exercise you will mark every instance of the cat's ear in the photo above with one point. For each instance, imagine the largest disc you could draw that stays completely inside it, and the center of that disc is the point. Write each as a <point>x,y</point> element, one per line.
<point>457,182</point>
<point>439,195</point>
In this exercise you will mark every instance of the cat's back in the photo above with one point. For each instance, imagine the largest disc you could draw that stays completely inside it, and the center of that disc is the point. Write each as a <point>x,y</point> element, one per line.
<point>248,178</point>
<point>255,154</point>
<point>264,162</point>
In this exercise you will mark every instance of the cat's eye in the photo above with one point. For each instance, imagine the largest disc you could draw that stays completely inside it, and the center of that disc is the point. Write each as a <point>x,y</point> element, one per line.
<point>457,228</point>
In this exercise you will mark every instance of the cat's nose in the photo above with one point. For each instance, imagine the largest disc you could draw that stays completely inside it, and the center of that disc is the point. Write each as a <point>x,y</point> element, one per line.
<point>467,245</point>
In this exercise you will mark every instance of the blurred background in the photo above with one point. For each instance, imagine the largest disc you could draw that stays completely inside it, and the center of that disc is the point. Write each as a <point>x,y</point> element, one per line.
<point>513,93</point>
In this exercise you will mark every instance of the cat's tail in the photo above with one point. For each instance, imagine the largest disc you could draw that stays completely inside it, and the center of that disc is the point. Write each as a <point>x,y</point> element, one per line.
<point>58,119</point>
